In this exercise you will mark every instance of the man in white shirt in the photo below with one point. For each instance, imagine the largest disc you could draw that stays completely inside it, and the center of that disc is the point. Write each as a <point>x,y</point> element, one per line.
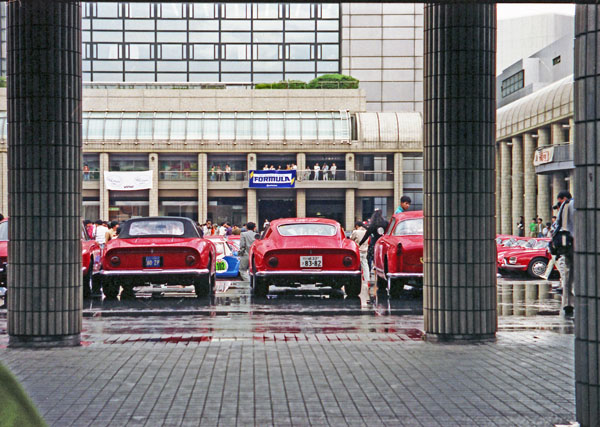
<point>357,235</point>
<point>333,169</point>
<point>317,168</point>
<point>101,230</point>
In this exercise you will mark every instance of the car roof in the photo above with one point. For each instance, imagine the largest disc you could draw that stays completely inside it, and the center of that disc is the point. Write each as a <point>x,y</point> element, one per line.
<point>282,221</point>
<point>408,215</point>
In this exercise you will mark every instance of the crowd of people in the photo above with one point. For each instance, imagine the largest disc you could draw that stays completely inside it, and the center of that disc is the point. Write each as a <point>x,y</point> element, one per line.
<point>537,227</point>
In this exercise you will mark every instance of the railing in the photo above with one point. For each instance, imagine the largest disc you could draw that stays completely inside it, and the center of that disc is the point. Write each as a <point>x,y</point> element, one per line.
<point>291,84</point>
<point>222,176</point>
<point>374,175</point>
<point>178,175</point>
<point>91,176</point>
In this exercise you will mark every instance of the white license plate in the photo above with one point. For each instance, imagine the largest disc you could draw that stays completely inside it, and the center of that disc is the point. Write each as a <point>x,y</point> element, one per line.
<point>311,261</point>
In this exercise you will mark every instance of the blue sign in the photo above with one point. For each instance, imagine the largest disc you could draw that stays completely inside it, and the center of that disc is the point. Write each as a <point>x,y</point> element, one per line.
<point>272,179</point>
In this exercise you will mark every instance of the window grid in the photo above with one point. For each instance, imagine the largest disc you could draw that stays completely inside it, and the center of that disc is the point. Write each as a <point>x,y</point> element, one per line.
<point>513,83</point>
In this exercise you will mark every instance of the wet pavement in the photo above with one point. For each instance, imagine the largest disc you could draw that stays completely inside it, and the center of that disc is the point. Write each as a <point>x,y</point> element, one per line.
<point>301,357</point>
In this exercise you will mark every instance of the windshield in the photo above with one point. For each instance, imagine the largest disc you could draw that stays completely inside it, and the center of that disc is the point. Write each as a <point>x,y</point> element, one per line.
<point>156,228</point>
<point>4,231</point>
<point>522,243</point>
<point>222,248</point>
<point>541,244</point>
<point>307,230</point>
<point>409,227</point>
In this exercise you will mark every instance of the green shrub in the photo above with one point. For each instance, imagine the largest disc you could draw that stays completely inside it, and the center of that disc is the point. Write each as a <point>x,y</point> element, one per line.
<point>284,84</point>
<point>2,81</point>
<point>333,81</point>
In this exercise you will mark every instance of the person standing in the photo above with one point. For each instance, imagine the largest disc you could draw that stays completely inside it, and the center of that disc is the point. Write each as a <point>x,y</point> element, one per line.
<point>563,234</point>
<point>112,231</point>
<point>100,235</point>
<point>405,202</point>
<point>533,228</point>
<point>317,169</point>
<point>540,227</point>
<point>246,240</point>
<point>521,227</point>
<point>357,234</point>
<point>377,226</point>
<point>227,172</point>
<point>333,170</point>
<point>325,172</point>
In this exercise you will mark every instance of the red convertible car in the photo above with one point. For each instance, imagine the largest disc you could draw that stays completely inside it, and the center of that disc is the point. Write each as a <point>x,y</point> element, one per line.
<point>90,257</point>
<point>398,255</point>
<point>298,251</point>
<point>533,259</point>
<point>158,250</point>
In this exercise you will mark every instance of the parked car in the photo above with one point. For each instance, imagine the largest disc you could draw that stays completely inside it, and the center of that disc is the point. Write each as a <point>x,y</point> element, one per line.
<point>298,251</point>
<point>234,239</point>
<point>158,250</point>
<point>90,257</point>
<point>398,254</point>
<point>533,260</point>
<point>228,262</point>
<point>513,242</point>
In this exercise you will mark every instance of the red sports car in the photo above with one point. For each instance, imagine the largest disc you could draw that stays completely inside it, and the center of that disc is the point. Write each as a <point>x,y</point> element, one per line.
<point>514,242</point>
<point>158,250</point>
<point>90,257</point>
<point>533,259</point>
<point>398,256</point>
<point>297,251</point>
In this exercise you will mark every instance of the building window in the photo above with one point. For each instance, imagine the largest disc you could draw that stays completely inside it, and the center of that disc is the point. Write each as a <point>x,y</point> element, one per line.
<point>513,83</point>
<point>556,61</point>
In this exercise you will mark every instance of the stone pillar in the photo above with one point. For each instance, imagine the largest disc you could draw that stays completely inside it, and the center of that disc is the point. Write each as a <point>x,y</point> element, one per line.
<point>4,184</point>
<point>558,178</point>
<point>517,182</point>
<point>558,133</point>
<point>350,212</point>
<point>252,204</point>
<point>505,169</point>
<point>300,165</point>
<point>498,190</point>
<point>350,162</point>
<point>202,187</point>
<point>104,194</point>
<point>544,204</point>
<point>301,203</point>
<point>398,184</point>
<point>459,289</point>
<point>530,180</point>
<point>44,150</point>
<point>587,203</point>
<point>153,192</point>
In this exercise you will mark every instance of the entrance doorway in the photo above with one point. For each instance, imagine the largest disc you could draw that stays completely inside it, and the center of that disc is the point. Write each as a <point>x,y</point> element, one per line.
<point>332,209</point>
<point>275,208</point>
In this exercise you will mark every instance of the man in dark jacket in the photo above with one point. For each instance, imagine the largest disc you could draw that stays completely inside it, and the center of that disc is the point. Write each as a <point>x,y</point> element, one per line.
<point>246,240</point>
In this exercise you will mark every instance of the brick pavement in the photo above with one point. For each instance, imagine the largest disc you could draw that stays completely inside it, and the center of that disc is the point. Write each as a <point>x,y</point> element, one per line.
<point>368,375</point>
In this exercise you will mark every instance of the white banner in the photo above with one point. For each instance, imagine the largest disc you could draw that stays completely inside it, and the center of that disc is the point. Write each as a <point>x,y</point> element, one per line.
<point>543,156</point>
<point>128,181</point>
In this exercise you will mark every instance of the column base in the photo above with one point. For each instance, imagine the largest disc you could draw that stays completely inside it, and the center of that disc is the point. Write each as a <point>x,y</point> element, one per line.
<point>28,341</point>
<point>458,338</point>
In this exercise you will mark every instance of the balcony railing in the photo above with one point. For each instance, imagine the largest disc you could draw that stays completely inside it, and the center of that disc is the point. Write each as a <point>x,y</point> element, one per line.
<point>178,175</point>
<point>91,176</point>
<point>215,176</point>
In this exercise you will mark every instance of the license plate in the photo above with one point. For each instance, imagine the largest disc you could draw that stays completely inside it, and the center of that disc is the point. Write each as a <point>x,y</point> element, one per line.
<point>153,261</point>
<point>311,261</point>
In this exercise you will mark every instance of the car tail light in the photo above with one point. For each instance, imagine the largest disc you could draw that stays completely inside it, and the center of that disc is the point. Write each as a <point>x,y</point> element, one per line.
<point>115,261</point>
<point>273,261</point>
<point>512,260</point>
<point>399,248</point>
<point>190,260</point>
<point>347,261</point>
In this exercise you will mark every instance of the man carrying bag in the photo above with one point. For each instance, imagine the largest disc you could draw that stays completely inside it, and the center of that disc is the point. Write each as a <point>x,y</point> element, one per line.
<point>562,245</point>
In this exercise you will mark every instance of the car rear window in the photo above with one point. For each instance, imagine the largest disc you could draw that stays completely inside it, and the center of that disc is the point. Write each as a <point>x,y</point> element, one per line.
<point>156,228</point>
<point>4,231</point>
<point>307,230</point>
<point>409,227</point>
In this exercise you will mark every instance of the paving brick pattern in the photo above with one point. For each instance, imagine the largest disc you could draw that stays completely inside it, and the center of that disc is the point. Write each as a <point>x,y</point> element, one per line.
<point>331,378</point>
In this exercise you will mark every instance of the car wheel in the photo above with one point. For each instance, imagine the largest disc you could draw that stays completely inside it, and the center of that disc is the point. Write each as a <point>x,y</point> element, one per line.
<point>96,285</point>
<point>202,286</point>
<point>381,285</point>
<point>111,288</point>
<point>87,281</point>
<point>261,288</point>
<point>537,267</point>
<point>353,287</point>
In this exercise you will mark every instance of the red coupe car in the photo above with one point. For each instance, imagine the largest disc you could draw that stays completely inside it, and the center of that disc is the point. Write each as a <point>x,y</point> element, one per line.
<point>398,256</point>
<point>158,250</point>
<point>90,257</point>
<point>298,251</point>
<point>533,259</point>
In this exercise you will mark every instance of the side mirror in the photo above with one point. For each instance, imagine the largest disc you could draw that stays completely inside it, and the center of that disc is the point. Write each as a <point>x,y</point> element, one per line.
<point>257,236</point>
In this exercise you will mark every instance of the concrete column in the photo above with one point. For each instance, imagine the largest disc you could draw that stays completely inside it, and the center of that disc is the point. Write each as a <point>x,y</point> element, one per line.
<point>301,203</point>
<point>398,184</point>
<point>252,203</point>
<point>4,184</point>
<point>350,212</point>
<point>544,202</point>
<point>301,165</point>
<point>558,184</point>
<point>459,289</point>
<point>505,170</point>
<point>587,203</point>
<point>571,131</point>
<point>202,187</point>
<point>498,190</point>
<point>104,194</point>
<point>517,182</point>
<point>358,208</point>
<point>153,192</point>
<point>44,147</point>
<point>350,166</point>
<point>530,180</point>
<point>558,134</point>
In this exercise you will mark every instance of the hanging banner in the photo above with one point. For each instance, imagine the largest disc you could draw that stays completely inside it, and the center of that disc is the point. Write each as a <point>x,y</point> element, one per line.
<point>128,181</point>
<point>543,156</point>
<point>272,179</point>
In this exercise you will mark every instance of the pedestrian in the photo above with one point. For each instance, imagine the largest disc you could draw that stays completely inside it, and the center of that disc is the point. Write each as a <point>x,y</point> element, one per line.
<point>246,240</point>
<point>377,226</point>
<point>540,227</point>
<point>111,233</point>
<point>562,240</point>
<point>219,173</point>
<point>227,172</point>
<point>88,226</point>
<point>206,228</point>
<point>86,172</point>
<point>100,234</point>
<point>317,168</point>
<point>357,234</point>
<point>521,227</point>
<point>533,228</point>
<point>307,173</point>
<point>332,171</point>
<point>546,230</point>
<point>325,172</point>
<point>213,173</point>
<point>405,203</point>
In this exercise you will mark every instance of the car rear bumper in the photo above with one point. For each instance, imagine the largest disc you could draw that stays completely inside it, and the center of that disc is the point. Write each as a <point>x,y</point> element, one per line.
<point>172,276</point>
<point>333,278</point>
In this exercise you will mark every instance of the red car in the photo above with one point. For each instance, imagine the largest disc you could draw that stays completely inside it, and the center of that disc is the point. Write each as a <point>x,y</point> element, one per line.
<point>398,255</point>
<point>90,257</point>
<point>158,250</point>
<point>297,251</point>
<point>533,259</point>
<point>513,242</point>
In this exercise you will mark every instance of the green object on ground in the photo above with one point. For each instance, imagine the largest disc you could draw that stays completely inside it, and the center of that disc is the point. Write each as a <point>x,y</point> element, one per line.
<point>16,408</point>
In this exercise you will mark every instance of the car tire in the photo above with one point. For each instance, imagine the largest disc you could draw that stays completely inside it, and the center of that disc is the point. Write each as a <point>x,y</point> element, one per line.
<point>213,284</point>
<point>537,267</point>
<point>261,288</point>
<point>396,288</point>
<point>87,281</point>
<point>203,286</point>
<point>352,287</point>
<point>111,288</point>
<point>127,293</point>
